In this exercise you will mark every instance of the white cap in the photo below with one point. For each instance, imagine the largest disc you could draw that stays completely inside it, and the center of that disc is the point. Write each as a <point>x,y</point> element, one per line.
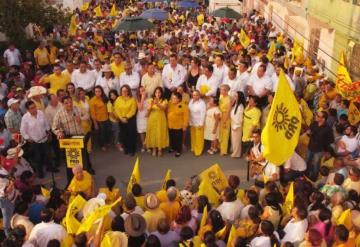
<point>12,101</point>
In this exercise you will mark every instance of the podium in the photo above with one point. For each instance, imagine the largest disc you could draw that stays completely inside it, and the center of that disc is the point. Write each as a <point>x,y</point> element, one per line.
<point>73,149</point>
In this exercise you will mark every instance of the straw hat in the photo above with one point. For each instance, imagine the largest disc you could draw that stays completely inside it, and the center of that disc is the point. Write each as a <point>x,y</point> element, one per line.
<point>151,201</point>
<point>36,90</point>
<point>135,225</point>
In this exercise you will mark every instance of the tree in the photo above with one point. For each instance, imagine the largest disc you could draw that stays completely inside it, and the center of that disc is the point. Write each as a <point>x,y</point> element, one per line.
<point>16,15</point>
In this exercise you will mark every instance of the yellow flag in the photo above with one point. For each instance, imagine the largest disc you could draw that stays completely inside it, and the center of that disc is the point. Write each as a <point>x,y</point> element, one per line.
<point>289,200</point>
<point>232,236</point>
<point>298,52</point>
<point>72,224</point>
<point>221,233</point>
<point>345,219</point>
<point>45,192</point>
<point>353,114</point>
<point>85,6</point>
<point>282,125</point>
<point>271,51</point>
<point>98,213</point>
<point>98,12</point>
<point>166,178</point>
<point>206,189</point>
<point>343,79</point>
<point>307,63</point>
<point>72,27</point>
<point>215,176</point>
<point>135,176</point>
<point>244,39</point>
<point>113,11</point>
<point>286,61</point>
<point>204,217</point>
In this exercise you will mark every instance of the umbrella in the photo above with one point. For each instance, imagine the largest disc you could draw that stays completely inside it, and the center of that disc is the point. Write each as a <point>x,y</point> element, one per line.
<point>156,14</point>
<point>188,4</point>
<point>226,12</point>
<point>152,1</point>
<point>132,24</point>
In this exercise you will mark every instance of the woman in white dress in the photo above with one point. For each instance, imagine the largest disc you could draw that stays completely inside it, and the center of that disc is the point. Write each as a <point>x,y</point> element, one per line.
<point>108,81</point>
<point>212,121</point>
<point>141,116</point>
<point>236,117</point>
<point>197,109</point>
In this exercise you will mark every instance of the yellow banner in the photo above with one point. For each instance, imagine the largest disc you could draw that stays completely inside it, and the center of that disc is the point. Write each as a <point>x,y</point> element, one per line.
<point>73,157</point>
<point>71,143</point>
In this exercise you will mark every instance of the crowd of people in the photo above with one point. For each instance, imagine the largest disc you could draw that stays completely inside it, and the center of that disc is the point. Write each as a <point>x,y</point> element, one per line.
<point>211,78</point>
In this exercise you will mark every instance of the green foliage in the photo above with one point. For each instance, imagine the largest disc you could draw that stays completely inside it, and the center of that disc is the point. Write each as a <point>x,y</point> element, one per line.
<point>15,15</point>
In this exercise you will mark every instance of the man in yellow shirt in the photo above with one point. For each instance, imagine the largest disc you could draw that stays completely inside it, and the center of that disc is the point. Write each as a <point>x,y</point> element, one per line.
<point>153,213</point>
<point>118,66</point>
<point>42,58</point>
<point>171,207</point>
<point>57,80</point>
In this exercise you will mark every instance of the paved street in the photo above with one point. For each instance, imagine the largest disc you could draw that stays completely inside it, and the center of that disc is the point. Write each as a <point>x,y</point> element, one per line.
<point>153,169</point>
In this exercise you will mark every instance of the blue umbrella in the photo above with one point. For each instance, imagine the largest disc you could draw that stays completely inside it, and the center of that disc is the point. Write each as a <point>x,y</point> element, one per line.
<point>155,14</point>
<point>188,4</point>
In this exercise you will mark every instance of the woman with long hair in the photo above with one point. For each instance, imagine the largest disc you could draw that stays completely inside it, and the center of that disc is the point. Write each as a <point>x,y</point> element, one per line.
<point>266,237</point>
<point>157,137</point>
<point>113,95</point>
<point>184,218</point>
<point>236,117</point>
<point>125,110</point>
<point>197,109</point>
<point>107,80</point>
<point>141,116</point>
<point>70,90</point>
<point>100,117</point>
<point>272,210</point>
<point>194,73</point>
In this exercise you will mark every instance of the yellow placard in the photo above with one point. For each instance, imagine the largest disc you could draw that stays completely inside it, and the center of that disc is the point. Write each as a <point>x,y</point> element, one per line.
<point>73,157</point>
<point>71,143</point>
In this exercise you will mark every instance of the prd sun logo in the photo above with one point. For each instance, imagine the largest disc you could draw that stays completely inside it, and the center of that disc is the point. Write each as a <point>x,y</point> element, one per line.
<point>74,153</point>
<point>281,117</point>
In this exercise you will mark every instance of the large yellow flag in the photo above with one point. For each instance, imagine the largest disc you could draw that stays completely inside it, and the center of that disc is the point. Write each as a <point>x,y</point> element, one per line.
<point>282,125</point>
<point>206,189</point>
<point>98,12</point>
<point>85,6</point>
<point>203,218</point>
<point>289,200</point>
<point>166,178</point>
<point>232,236</point>
<point>354,114</point>
<point>113,11</point>
<point>72,27</point>
<point>98,213</point>
<point>135,176</point>
<point>216,177</point>
<point>244,39</point>
<point>72,224</point>
<point>271,51</point>
<point>345,219</point>
<point>344,85</point>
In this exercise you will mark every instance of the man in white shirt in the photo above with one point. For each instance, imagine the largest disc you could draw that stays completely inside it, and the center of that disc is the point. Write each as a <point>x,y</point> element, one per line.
<point>35,129</point>
<point>151,80</point>
<point>173,75</point>
<point>295,229</point>
<point>232,81</point>
<point>270,69</point>
<point>294,167</point>
<point>243,76</point>
<point>207,83</point>
<point>97,68</point>
<point>348,144</point>
<point>221,70</point>
<point>260,85</point>
<point>275,78</point>
<point>130,78</point>
<point>12,56</point>
<point>47,230</point>
<point>83,77</point>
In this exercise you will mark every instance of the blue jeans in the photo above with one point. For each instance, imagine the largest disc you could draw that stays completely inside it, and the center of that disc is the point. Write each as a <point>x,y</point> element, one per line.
<point>313,164</point>
<point>115,132</point>
<point>7,209</point>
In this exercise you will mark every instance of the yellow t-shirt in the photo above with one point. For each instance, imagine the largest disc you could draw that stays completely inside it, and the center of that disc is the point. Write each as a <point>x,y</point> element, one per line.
<point>41,56</point>
<point>98,110</point>
<point>178,116</point>
<point>200,19</point>
<point>140,201</point>
<point>85,185</point>
<point>111,196</point>
<point>110,109</point>
<point>251,118</point>
<point>53,54</point>
<point>118,69</point>
<point>57,82</point>
<point>125,107</point>
<point>170,209</point>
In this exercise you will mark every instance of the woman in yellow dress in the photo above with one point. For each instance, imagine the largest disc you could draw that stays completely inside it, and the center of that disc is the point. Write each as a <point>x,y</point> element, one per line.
<point>125,110</point>
<point>251,121</point>
<point>157,137</point>
<point>225,108</point>
<point>82,182</point>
